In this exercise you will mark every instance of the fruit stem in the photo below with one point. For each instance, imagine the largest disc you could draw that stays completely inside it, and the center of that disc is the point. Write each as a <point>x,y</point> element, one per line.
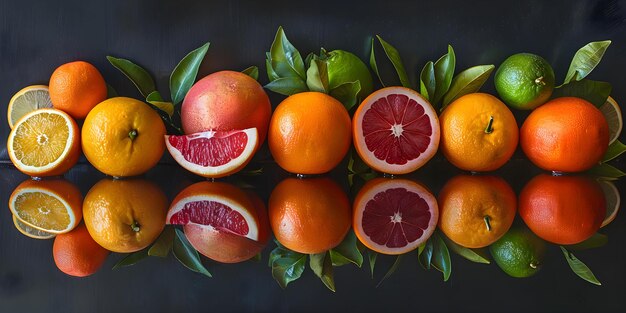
<point>489,128</point>
<point>135,226</point>
<point>539,81</point>
<point>534,265</point>
<point>487,218</point>
<point>132,134</point>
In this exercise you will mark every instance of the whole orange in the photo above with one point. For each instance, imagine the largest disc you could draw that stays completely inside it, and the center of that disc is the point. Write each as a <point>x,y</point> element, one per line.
<point>566,134</point>
<point>226,100</point>
<point>562,209</point>
<point>310,133</point>
<point>475,211</point>
<point>77,254</point>
<point>125,215</point>
<point>123,137</point>
<point>309,215</point>
<point>76,88</point>
<point>478,133</point>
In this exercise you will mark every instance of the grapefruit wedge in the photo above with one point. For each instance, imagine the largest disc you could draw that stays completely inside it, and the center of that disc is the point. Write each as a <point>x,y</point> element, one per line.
<point>395,130</point>
<point>214,154</point>
<point>394,216</point>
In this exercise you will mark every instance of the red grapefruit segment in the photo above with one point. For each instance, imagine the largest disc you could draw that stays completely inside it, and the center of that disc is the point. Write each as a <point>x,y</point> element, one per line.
<point>394,216</point>
<point>213,153</point>
<point>395,130</point>
<point>213,213</point>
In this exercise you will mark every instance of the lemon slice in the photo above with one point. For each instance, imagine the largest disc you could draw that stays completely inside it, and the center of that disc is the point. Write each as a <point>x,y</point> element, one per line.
<point>613,114</point>
<point>27,100</point>
<point>611,194</point>
<point>31,232</point>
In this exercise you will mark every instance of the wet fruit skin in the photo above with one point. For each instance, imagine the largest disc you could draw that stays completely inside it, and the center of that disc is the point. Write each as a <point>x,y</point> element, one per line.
<point>77,254</point>
<point>519,253</point>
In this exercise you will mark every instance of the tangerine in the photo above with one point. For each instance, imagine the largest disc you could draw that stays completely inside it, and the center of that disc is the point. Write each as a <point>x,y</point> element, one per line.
<point>76,88</point>
<point>77,254</point>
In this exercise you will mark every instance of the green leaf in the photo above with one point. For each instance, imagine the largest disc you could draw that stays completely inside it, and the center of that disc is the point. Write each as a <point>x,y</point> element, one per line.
<point>156,100</point>
<point>167,119</point>
<point>347,93</point>
<point>474,255</point>
<point>394,57</point>
<point>317,76</point>
<point>163,244</point>
<point>441,257</point>
<point>427,81</point>
<point>271,74</point>
<point>154,96</point>
<point>585,60</point>
<point>252,71</point>
<point>111,92</point>
<point>373,64</point>
<point>579,268</point>
<point>444,71</point>
<point>131,259</point>
<point>286,265</point>
<point>615,149</point>
<point>606,171</point>
<point>391,270</point>
<point>184,74</point>
<point>425,254</point>
<point>287,86</point>
<point>347,252</point>
<point>137,74</point>
<point>595,92</point>
<point>466,82</point>
<point>371,256</point>
<point>595,241</point>
<point>285,59</point>
<point>187,255</point>
<point>322,266</point>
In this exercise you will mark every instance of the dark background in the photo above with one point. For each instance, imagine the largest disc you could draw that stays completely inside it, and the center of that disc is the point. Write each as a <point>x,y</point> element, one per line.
<point>37,36</point>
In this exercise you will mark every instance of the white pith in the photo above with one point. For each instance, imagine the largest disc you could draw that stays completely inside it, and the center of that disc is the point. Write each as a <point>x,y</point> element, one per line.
<point>34,190</point>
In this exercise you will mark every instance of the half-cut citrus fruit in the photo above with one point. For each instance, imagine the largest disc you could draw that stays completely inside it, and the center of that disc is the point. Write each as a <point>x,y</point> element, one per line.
<point>30,231</point>
<point>394,216</point>
<point>53,206</point>
<point>27,100</point>
<point>395,130</point>
<point>613,114</point>
<point>214,153</point>
<point>613,200</point>
<point>45,142</point>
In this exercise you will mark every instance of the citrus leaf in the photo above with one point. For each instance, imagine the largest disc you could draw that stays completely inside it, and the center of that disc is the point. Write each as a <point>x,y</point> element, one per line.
<point>111,92</point>
<point>466,82</point>
<point>187,255</point>
<point>347,93</point>
<point>579,268</point>
<point>184,74</point>
<point>271,74</point>
<point>394,57</point>
<point>444,71</point>
<point>287,86</point>
<point>252,71</point>
<point>317,76</point>
<point>167,119</point>
<point>606,171</point>
<point>154,96</point>
<point>131,259</point>
<point>163,244</point>
<point>441,257</point>
<point>596,241</point>
<point>593,91</point>
<point>285,59</point>
<point>425,254</point>
<point>373,64</point>
<point>474,255</point>
<point>286,265</point>
<point>615,149</point>
<point>347,252</point>
<point>371,256</point>
<point>322,266</point>
<point>391,270</point>
<point>307,60</point>
<point>427,81</point>
<point>137,74</point>
<point>585,60</point>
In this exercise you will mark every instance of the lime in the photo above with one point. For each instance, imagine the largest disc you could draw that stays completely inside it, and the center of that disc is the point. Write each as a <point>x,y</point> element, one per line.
<point>345,67</point>
<point>519,252</point>
<point>524,81</point>
<point>613,114</point>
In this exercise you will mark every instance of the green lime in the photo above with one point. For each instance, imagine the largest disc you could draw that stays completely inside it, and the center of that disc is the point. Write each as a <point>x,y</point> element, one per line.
<point>524,81</point>
<point>345,67</point>
<point>519,252</point>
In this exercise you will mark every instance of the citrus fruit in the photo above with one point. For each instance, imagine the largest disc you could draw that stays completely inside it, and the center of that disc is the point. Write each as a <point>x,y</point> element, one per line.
<point>45,142</point>
<point>475,211</point>
<point>524,81</point>
<point>565,135</point>
<point>77,254</point>
<point>30,231</point>
<point>394,216</point>
<point>613,201</point>
<point>519,252</point>
<point>125,215</point>
<point>226,100</point>
<point>613,115</point>
<point>26,100</point>
<point>309,215</point>
<point>309,133</point>
<point>562,209</point>
<point>395,130</point>
<point>221,221</point>
<point>478,133</point>
<point>345,67</point>
<point>76,88</point>
<point>123,137</point>
<point>214,153</point>
<point>53,206</point>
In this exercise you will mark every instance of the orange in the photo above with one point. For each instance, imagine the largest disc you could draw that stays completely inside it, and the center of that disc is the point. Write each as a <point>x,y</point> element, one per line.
<point>478,133</point>
<point>76,88</point>
<point>566,135</point>
<point>475,211</point>
<point>45,142</point>
<point>125,215</point>
<point>309,215</point>
<point>309,133</point>
<point>123,137</point>
<point>562,209</point>
<point>77,254</point>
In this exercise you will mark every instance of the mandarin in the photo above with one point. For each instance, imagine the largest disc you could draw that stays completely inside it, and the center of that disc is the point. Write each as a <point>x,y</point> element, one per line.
<point>76,88</point>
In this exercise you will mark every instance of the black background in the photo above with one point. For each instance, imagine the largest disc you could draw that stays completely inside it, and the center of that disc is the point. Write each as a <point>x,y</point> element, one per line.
<point>37,36</point>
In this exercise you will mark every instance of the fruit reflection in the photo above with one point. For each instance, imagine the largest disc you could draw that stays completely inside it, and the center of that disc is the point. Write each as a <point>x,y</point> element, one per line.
<point>394,216</point>
<point>309,215</point>
<point>125,215</point>
<point>221,221</point>
<point>519,252</point>
<point>562,209</point>
<point>77,254</point>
